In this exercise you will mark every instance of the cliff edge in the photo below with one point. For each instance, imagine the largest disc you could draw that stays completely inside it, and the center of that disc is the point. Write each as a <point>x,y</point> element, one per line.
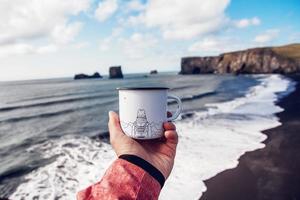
<point>283,60</point>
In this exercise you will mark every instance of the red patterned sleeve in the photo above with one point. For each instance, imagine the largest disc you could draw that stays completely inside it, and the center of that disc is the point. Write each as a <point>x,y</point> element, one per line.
<point>123,180</point>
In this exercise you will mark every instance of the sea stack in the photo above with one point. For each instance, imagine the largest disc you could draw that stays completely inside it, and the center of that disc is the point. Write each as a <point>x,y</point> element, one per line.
<point>84,76</point>
<point>153,72</point>
<point>115,72</point>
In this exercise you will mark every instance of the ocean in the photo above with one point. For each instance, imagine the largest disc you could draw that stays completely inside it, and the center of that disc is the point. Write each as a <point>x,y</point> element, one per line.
<point>53,133</point>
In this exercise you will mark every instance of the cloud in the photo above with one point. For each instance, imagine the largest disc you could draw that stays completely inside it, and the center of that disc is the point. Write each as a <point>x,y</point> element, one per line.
<point>138,45</point>
<point>134,20</point>
<point>267,36</point>
<point>106,43</point>
<point>255,21</point>
<point>26,20</point>
<point>45,49</point>
<point>22,23</point>
<point>106,9</point>
<point>135,5</point>
<point>217,45</point>
<point>24,48</point>
<point>81,45</point>
<point>186,19</point>
<point>65,34</point>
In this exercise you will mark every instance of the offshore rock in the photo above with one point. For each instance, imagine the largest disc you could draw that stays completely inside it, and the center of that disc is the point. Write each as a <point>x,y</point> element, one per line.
<point>153,72</point>
<point>115,72</point>
<point>84,76</point>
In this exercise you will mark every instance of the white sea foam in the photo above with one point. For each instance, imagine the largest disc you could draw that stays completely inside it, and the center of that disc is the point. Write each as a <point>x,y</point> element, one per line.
<point>210,142</point>
<point>214,140</point>
<point>80,161</point>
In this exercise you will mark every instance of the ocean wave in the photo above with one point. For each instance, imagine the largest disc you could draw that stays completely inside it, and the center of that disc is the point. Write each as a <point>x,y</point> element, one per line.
<point>210,141</point>
<point>79,162</point>
<point>57,96</point>
<point>194,97</point>
<point>213,140</point>
<point>184,87</point>
<point>54,114</point>
<point>61,101</point>
<point>198,96</point>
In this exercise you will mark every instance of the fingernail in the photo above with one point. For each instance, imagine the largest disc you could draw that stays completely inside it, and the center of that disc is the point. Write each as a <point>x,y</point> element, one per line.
<point>110,113</point>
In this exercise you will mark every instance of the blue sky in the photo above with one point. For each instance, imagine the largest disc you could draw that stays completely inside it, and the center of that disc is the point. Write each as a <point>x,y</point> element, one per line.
<point>54,38</point>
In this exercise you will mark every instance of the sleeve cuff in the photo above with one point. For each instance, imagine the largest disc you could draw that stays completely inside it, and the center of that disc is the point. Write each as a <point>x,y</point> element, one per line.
<point>153,171</point>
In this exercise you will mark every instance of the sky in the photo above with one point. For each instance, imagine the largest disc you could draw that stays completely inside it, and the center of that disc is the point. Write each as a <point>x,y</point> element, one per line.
<point>55,38</point>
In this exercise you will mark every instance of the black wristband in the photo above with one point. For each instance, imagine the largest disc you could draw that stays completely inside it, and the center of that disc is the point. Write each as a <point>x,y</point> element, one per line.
<point>153,171</point>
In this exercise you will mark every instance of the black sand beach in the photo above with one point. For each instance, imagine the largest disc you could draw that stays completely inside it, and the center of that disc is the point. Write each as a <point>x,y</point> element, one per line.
<point>271,173</point>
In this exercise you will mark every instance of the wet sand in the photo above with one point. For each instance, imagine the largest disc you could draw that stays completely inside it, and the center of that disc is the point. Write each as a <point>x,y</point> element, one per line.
<point>271,173</point>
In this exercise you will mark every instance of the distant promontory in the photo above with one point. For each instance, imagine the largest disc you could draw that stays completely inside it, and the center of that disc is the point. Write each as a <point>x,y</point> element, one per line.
<point>283,60</point>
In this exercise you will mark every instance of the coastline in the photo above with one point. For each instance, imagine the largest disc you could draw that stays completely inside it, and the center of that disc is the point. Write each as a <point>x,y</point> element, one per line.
<point>271,172</point>
<point>228,128</point>
<point>243,133</point>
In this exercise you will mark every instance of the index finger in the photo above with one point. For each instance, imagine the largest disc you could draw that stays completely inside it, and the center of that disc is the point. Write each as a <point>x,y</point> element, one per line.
<point>169,126</point>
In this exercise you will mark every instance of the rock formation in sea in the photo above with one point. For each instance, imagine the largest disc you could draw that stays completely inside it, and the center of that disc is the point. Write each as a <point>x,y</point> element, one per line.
<point>153,72</point>
<point>283,60</point>
<point>84,76</point>
<point>115,72</point>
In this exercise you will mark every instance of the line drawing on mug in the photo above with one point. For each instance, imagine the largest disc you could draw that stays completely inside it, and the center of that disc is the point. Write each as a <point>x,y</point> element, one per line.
<point>141,127</point>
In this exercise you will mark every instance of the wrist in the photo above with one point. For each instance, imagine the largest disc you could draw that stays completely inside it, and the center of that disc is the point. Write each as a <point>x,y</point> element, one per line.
<point>146,166</point>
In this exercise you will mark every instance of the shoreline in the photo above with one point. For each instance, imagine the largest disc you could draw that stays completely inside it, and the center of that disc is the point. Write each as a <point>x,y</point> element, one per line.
<point>271,172</point>
<point>261,89</point>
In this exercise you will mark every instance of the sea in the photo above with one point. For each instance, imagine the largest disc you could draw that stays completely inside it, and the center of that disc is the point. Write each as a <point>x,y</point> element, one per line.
<point>54,135</point>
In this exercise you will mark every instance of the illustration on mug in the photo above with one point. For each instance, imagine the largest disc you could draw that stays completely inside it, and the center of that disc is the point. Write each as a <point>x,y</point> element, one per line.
<point>141,127</point>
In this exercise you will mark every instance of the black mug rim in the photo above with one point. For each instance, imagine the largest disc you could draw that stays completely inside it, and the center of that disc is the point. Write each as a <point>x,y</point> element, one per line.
<point>142,88</point>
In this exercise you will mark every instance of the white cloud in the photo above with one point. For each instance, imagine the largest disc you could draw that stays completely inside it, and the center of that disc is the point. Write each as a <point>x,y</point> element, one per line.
<point>106,9</point>
<point>186,19</point>
<point>116,31</point>
<point>24,22</point>
<point>24,48</point>
<point>46,49</point>
<point>178,19</point>
<point>66,34</point>
<point>81,45</point>
<point>215,46</point>
<point>267,36</point>
<point>255,21</point>
<point>21,20</point>
<point>135,5</point>
<point>134,20</point>
<point>138,45</point>
<point>106,43</point>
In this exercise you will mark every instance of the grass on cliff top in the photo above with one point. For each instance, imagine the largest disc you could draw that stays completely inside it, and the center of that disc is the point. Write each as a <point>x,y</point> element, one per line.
<point>290,51</point>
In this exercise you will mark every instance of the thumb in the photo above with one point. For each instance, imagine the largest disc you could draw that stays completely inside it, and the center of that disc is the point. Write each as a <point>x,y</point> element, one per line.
<point>114,125</point>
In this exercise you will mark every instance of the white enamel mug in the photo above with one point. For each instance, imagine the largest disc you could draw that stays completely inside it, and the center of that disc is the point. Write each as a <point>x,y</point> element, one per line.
<point>143,110</point>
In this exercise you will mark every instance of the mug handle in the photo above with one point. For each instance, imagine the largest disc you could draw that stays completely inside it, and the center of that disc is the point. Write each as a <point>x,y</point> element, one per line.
<point>178,111</point>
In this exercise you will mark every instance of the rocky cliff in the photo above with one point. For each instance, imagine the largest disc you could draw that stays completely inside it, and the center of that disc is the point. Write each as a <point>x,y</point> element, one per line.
<point>284,60</point>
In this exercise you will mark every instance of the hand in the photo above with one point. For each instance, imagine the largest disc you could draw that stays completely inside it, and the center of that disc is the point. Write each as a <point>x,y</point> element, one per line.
<point>159,152</point>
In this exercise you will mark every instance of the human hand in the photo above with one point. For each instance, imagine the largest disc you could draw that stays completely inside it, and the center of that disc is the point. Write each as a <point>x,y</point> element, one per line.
<point>159,152</point>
